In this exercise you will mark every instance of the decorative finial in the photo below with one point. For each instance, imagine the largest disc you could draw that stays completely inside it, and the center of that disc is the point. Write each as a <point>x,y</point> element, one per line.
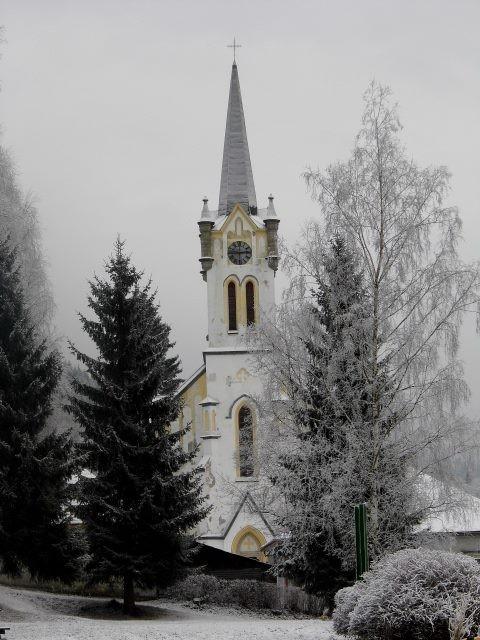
<point>271,213</point>
<point>205,210</point>
<point>234,46</point>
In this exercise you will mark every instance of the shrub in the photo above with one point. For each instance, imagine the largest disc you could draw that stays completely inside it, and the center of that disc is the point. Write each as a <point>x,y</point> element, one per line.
<point>345,602</point>
<point>249,594</point>
<point>418,594</point>
<point>197,585</point>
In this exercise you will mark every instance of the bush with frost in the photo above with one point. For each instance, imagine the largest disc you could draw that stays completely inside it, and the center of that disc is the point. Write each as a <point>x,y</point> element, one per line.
<point>418,594</point>
<point>247,594</point>
<point>345,601</point>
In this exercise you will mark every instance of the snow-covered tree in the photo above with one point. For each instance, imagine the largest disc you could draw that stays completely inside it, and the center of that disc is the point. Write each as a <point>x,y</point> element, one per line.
<point>141,495</point>
<point>34,467</point>
<point>328,404</point>
<point>19,222</point>
<point>393,218</point>
<point>394,215</point>
<point>326,458</point>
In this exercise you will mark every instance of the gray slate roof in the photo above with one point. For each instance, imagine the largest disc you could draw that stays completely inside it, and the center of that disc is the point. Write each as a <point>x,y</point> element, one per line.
<point>236,185</point>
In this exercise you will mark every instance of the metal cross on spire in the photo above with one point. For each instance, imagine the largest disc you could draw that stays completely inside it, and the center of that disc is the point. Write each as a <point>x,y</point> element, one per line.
<point>234,46</point>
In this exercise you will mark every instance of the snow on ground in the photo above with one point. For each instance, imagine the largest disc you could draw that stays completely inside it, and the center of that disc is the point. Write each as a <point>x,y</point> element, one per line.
<point>43,616</point>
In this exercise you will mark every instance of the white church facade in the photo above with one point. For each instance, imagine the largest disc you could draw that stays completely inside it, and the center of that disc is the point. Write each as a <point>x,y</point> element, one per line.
<point>239,258</point>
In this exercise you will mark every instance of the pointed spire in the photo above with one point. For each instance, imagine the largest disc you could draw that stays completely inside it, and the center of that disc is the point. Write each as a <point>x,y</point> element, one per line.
<point>205,210</point>
<point>236,185</point>
<point>271,214</point>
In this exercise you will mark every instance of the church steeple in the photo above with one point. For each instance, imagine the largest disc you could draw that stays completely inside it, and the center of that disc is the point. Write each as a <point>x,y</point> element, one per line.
<point>236,185</point>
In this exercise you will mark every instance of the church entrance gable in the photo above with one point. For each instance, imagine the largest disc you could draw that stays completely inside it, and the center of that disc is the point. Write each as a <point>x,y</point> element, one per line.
<point>248,530</point>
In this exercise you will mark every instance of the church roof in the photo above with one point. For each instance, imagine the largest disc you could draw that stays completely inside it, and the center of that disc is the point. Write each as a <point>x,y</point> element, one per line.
<point>236,185</point>
<point>246,499</point>
<point>189,381</point>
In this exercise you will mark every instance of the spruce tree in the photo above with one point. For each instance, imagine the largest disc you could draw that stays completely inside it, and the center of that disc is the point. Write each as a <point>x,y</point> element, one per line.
<point>35,467</point>
<point>337,308</point>
<point>327,471</point>
<point>143,494</point>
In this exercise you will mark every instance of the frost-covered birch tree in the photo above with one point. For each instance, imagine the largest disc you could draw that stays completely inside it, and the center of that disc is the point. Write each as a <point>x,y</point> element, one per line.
<point>407,238</point>
<point>19,222</point>
<point>395,219</point>
<point>20,225</point>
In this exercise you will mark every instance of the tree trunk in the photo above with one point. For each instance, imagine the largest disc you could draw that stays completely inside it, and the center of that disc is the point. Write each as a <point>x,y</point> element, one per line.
<point>128,595</point>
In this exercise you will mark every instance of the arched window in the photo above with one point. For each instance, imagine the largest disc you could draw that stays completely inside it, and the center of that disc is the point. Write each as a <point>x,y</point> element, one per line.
<point>249,542</point>
<point>248,546</point>
<point>250,299</point>
<point>245,442</point>
<point>232,306</point>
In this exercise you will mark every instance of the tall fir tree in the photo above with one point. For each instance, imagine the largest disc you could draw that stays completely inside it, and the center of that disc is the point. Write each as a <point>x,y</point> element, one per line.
<point>143,493</point>
<point>35,467</point>
<point>327,470</point>
<point>337,308</point>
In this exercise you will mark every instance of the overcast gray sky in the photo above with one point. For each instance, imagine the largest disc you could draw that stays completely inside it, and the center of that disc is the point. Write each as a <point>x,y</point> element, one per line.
<point>115,113</point>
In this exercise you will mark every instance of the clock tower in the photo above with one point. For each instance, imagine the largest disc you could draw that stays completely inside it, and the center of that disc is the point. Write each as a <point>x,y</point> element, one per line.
<point>239,253</point>
<point>239,258</point>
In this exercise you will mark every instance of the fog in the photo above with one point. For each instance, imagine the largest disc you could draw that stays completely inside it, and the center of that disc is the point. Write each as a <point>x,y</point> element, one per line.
<point>115,113</point>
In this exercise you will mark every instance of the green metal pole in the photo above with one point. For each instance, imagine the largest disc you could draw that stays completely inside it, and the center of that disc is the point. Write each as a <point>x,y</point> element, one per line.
<point>366,562</point>
<point>361,539</point>
<point>357,541</point>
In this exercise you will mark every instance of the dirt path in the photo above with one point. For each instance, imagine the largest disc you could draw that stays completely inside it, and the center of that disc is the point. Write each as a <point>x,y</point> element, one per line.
<point>42,616</point>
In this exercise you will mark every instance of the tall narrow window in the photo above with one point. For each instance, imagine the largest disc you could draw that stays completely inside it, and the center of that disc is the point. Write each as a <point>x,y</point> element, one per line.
<point>250,295</point>
<point>245,442</point>
<point>232,306</point>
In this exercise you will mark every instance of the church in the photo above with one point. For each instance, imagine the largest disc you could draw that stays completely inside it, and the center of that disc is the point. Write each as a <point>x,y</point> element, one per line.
<point>239,258</point>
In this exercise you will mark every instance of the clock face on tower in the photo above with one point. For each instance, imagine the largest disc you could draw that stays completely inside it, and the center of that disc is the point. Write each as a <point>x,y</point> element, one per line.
<point>239,252</point>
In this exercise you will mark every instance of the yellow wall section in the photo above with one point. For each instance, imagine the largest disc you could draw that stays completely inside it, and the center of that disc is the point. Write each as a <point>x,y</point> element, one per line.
<point>190,397</point>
